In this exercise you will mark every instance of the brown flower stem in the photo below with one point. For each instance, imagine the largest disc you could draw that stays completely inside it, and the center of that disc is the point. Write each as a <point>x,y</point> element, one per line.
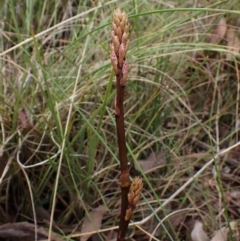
<point>119,47</point>
<point>122,232</point>
<point>125,180</point>
<point>120,125</point>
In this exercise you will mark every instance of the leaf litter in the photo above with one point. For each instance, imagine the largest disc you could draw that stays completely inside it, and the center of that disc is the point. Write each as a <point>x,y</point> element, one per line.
<point>218,31</point>
<point>92,222</point>
<point>154,161</point>
<point>198,234</point>
<point>224,233</point>
<point>24,231</point>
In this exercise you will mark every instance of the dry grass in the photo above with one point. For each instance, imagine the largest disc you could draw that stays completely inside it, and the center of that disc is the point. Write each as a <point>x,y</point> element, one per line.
<point>58,142</point>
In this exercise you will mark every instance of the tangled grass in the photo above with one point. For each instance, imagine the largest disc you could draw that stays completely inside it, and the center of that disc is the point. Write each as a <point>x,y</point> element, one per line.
<point>59,155</point>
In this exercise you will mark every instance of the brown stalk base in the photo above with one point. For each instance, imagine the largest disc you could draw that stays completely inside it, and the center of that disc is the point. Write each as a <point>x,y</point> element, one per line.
<point>124,178</point>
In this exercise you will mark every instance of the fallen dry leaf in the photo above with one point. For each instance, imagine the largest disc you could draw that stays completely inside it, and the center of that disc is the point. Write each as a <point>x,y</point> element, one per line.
<point>235,226</point>
<point>198,234</point>
<point>233,43</point>
<point>218,31</point>
<point>24,231</point>
<point>177,218</point>
<point>42,214</point>
<point>92,222</point>
<point>154,160</point>
<point>221,235</point>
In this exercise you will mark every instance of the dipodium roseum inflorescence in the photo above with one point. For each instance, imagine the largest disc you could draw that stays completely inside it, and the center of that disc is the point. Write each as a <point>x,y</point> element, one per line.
<point>135,191</point>
<point>133,196</point>
<point>120,44</point>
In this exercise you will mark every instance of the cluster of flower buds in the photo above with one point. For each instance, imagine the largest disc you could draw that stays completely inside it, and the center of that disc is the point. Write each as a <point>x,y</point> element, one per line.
<point>133,196</point>
<point>120,44</point>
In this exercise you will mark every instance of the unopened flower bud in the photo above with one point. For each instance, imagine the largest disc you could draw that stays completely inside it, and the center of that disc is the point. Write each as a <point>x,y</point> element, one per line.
<point>117,14</point>
<point>124,15</point>
<point>114,26</point>
<point>128,215</point>
<point>114,61</point>
<point>119,32</point>
<point>121,54</point>
<point>116,44</point>
<point>116,21</point>
<point>135,191</point>
<point>124,38</point>
<point>122,24</point>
